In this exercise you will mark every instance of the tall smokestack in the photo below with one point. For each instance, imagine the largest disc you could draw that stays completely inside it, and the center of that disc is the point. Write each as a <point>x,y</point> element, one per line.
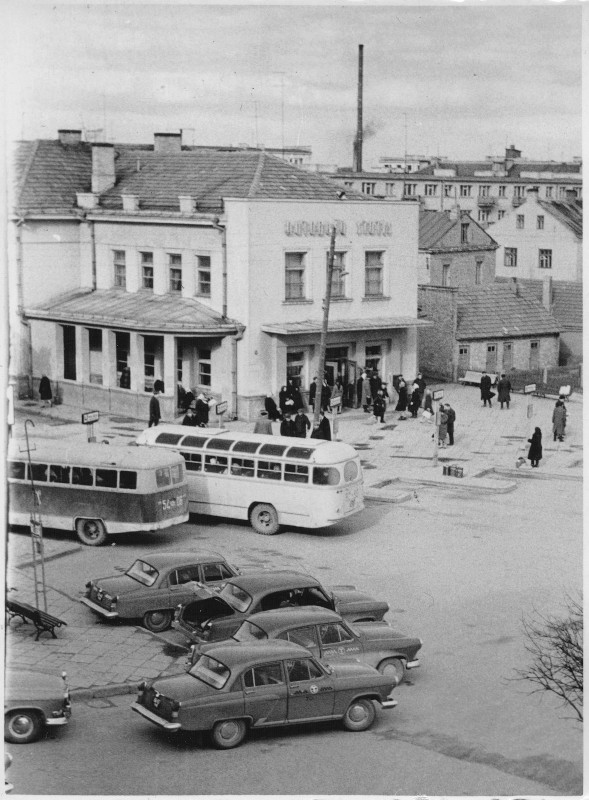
<point>358,140</point>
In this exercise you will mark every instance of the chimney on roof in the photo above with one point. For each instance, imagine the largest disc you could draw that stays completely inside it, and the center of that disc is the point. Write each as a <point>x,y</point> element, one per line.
<point>69,137</point>
<point>547,293</point>
<point>358,143</point>
<point>103,167</point>
<point>167,143</point>
<point>454,212</point>
<point>130,203</point>
<point>571,195</point>
<point>186,203</point>
<point>511,152</point>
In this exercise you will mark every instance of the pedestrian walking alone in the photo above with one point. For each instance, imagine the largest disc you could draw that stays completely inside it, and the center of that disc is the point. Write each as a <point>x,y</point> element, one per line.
<point>379,406</point>
<point>45,392</point>
<point>154,407</point>
<point>559,417</point>
<point>415,401</point>
<point>486,393</point>
<point>442,427</point>
<point>302,424</point>
<point>323,429</point>
<point>535,451</point>
<point>504,390</point>
<point>451,414</point>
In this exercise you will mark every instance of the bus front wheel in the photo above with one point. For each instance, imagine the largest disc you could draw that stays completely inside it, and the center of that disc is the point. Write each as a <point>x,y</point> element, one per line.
<point>91,532</point>
<point>264,519</point>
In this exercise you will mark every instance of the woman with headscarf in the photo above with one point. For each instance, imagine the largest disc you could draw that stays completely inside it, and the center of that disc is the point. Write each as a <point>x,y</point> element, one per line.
<point>402,392</point>
<point>535,451</point>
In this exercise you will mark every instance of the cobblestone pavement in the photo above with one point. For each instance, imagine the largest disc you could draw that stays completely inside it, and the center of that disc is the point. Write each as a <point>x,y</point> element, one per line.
<point>397,456</point>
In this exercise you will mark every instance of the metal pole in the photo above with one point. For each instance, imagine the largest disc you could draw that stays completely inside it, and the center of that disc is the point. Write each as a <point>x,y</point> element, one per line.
<point>436,429</point>
<point>323,342</point>
<point>36,527</point>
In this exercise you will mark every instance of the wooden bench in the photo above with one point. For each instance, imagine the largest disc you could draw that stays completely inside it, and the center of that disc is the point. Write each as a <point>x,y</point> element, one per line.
<point>471,376</point>
<point>40,619</point>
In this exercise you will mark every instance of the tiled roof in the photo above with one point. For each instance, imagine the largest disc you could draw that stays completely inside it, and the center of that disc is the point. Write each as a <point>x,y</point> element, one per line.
<point>495,311</point>
<point>364,324</point>
<point>468,169</point>
<point>570,213</point>
<point>433,226</point>
<point>567,299</point>
<point>115,308</point>
<point>56,172</point>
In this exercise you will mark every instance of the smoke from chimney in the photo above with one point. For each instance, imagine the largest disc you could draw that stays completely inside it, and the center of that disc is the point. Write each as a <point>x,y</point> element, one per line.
<point>359,131</point>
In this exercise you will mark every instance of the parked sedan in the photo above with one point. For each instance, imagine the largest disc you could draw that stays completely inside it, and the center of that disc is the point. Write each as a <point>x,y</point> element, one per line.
<point>331,638</point>
<point>154,585</point>
<point>32,701</point>
<point>214,616</point>
<point>263,684</point>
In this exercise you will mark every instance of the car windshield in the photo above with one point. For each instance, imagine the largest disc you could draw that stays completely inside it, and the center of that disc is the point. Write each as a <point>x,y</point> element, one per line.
<point>249,632</point>
<point>237,598</point>
<point>143,572</point>
<point>210,671</point>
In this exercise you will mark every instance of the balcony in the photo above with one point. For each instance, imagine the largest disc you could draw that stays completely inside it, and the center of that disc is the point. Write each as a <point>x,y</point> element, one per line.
<point>485,202</point>
<point>517,201</point>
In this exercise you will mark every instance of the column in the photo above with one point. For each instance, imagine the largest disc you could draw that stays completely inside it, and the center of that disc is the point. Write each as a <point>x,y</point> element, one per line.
<point>82,354</point>
<point>169,370</point>
<point>136,361</point>
<point>109,358</point>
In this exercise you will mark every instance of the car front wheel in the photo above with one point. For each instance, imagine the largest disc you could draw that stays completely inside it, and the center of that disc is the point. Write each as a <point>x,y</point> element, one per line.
<point>264,519</point>
<point>360,715</point>
<point>22,727</point>
<point>393,668</point>
<point>156,621</point>
<point>228,733</point>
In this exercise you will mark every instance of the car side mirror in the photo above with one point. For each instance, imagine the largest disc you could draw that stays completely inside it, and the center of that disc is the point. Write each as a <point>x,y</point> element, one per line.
<point>328,669</point>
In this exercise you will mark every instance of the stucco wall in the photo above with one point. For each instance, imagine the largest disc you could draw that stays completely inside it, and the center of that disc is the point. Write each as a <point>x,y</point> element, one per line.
<point>548,352</point>
<point>437,343</point>
<point>462,268</point>
<point>50,260</point>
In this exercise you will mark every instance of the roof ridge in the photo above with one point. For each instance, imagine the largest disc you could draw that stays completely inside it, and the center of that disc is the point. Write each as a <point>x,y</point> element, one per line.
<point>255,185</point>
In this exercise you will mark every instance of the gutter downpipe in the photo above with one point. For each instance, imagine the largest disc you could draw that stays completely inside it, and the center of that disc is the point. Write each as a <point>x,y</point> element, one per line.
<point>21,304</point>
<point>93,246</point>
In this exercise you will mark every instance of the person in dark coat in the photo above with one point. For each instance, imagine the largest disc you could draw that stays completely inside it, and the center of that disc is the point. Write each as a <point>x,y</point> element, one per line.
<point>125,379</point>
<point>154,407</point>
<point>402,392</point>
<point>421,384</point>
<point>271,408</point>
<point>287,426</point>
<point>375,384</point>
<point>285,400</point>
<point>559,418</point>
<point>442,427</point>
<point>364,398</point>
<point>504,390</point>
<point>359,384</point>
<point>202,411</point>
<point>189,418</point>
<point>302,423</point>
<point>535,451</point>
<point>486,393</point>
<point>312,392</point>
<point>379,405</point>
<point>45,392</point>
<point>323,429</point>
<point>296,398</point>
<point>325,395</point>
<point>415,401</point>
<point>451,414</point>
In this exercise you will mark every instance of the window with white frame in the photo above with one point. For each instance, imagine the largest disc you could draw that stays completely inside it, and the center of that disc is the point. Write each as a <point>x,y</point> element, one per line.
<point>204,366</point>
<point>465,189</point>
<point>175,266</point>
<point>445,274</point>
<point>478,271</point>
<point>368,187</point>
<point>510,257</point>
<point>410,190</point>
<point>464,232</point>
<point>431,189</point>
<point>500,214</point>
<point>147,270</point>
<point>545,259</point>
<point>390,189</point>
<point>448,190</point>
<point>295,366</point>
<point>540,222</point>
<point>203,275</point>
<point>483,215</point>
<point>120,269</point>
<point>338,277</point>
<point>373,357</point>
<point>294,264</point>
<point>549,192</point>
<point>520,222</point>
<point>518,192</point>
<point>502,191</point>
<point>484,191</point>
<point>374,267</point>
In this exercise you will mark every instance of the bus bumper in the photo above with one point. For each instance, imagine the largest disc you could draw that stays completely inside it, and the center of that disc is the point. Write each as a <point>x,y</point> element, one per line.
<point>99,609</point>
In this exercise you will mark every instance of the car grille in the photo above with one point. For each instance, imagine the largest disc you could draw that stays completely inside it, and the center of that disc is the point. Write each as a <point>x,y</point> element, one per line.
<point>158,703</point>
<point>99,596</point>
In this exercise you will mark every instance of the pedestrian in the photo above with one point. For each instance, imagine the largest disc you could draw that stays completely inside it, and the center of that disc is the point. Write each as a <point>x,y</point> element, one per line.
<point>125,379</point>
<point>337,396</point>
<point>45,392</point>
<point>379,406</point>
<point>282,398</point>
<point>364,393</point>
<point>263,424</point>
<point>312,392</point>
<point>202,411</point>
<point>402,392</point>
<point>415,400</point>
<point>294,395</point>
<point>271,408</point>
<point>154,406</point>
<point>421,384</point>
<point>375,384</point>
<point>323,429</point>
<point>535,451</point>
<point>359,384</point>
<point>325,395</point>
<point>559,420</point>
<point>302,424</point>
<point>451,414</point>
<point>442,427</point>
<point>504,390</point>
<point>486,393</point>
<point>287,426</point>
<point>189,418</point>
<point>385,391</point>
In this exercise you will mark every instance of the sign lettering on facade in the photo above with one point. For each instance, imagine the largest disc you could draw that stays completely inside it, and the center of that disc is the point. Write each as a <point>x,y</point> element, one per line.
<point>374,228</point>
<point>305,228</point>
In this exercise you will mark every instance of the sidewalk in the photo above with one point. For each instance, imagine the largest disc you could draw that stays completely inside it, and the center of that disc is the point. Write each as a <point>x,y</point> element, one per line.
<point>397,457</point>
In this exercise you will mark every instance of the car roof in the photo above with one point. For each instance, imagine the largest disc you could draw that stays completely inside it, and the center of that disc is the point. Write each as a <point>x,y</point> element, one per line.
<point>254,582</point>
<point>163,560</point>
<point>244,654</point>
<point>283,619</point>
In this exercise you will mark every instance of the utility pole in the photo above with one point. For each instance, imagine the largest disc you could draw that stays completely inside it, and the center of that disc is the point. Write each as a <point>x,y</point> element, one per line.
<point>323,343</point>
<point>37,544</point>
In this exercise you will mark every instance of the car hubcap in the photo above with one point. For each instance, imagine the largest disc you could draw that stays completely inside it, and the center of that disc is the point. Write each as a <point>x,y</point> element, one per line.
<point>157,618</point>
<point>228,731</point>
<point>91,530</point>
<point>357,713</point>
<point>22,726</point>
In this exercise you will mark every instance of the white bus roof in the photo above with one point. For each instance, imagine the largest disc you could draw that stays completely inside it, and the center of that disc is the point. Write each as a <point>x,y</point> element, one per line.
<point>324,452</point>
<point>93,455</point>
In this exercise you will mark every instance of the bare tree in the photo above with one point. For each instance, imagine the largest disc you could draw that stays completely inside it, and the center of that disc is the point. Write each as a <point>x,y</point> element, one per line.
<point>556,647</point>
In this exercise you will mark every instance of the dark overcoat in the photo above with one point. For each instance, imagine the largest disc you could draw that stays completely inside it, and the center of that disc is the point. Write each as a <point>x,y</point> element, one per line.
<point>535,451</point>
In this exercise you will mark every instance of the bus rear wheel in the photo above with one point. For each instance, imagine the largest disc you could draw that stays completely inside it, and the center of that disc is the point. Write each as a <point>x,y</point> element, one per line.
<point>91,532</point>
<point>264,519</point>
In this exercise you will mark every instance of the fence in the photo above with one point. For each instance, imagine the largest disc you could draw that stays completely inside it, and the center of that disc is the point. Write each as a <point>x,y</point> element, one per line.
<point>549,380</point>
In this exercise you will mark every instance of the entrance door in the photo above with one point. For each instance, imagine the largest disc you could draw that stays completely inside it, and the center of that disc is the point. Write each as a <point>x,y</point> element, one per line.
<point>331,372</point>
<point>507,356</point>
<point>353,372</point>
<point>491,358</point>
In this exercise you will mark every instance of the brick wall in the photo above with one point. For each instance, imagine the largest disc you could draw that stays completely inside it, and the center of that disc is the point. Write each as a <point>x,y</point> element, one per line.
<point>436,343</point>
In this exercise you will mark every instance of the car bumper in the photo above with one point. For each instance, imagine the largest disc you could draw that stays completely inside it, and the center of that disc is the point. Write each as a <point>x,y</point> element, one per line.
<point>99,609</point>
<point>161,723</point>
<point>56,721</point>
<point>413,664</point>
<point>389,703</point>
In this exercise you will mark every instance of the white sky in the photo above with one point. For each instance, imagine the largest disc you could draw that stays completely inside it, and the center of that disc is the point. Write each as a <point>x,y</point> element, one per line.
<point>468,80</point>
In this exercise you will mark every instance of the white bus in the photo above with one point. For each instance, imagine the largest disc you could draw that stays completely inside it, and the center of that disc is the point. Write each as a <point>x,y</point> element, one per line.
<point>96,489</point>
<point>270,480</point>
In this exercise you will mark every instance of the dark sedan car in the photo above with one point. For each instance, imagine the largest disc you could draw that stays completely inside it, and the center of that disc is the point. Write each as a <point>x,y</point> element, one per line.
<point>331,638</point>
<point>154,585</point>
<point>219,615</point>
<point>33,700</point>
<point>263,684</point>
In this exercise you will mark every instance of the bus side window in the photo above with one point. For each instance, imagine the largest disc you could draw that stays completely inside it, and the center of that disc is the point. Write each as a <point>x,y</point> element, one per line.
<point>39,472</point>
<point>216,464</point>
<point>162,476</point>
<point>296,473</point>
<point>16,470</point>
<point>59,474</point>
<point>193,461</point>
<point>242,466</point>
<point>127,479</point>
<point>269,469</point>
<point>106,478</point>
<point>82,476</point>
<point>325,476</point>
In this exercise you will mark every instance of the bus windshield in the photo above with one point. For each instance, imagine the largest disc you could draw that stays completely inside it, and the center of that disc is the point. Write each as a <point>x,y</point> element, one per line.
<point>237,598</point>
<point>143,572</point>
<point>249,632</point>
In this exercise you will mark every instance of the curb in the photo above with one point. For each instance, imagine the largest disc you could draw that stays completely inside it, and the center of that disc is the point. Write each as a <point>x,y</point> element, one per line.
<point>400,497</point>
<point>104,691</point>
<point>459,483</point>
<point>543,476</point>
